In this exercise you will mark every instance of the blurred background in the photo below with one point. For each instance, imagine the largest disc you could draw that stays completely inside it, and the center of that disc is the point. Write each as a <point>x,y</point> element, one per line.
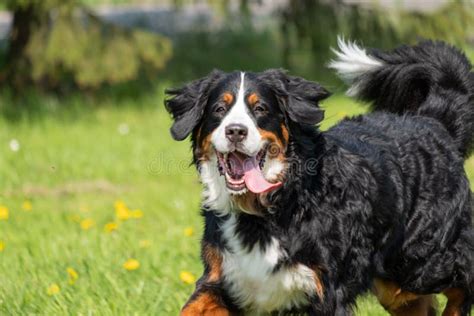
<point>99,208</point>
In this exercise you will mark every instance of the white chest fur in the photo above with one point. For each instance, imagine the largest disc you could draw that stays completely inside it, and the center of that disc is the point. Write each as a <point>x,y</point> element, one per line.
<point>250,277</point>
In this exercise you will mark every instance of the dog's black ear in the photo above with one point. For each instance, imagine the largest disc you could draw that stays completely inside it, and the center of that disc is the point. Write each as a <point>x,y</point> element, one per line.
<point>186,104</point>
<point>299,97</point>
<point>303,100</point>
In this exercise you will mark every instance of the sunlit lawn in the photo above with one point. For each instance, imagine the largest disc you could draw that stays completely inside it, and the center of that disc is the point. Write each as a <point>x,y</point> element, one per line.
<point>72,168</point>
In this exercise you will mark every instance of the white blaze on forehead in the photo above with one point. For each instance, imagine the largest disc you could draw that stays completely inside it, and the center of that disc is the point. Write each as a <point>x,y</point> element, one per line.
<point>240,96</point>
<point>238,114</point>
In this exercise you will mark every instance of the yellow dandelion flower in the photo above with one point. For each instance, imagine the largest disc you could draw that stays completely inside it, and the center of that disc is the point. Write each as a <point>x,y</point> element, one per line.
<point>145,243</point>
<point>131,264</point>
<point>27,206</point>
<point>122,214</point>
<point>121,210</point>
<point>87,224</point>
<point>72,275</point>
<point>53,289</point>
<point>188,231</point>
<point>3,213</point>
<point>110,227</point>
<point>136,213</point>
<point>187,277</point>
<point>119,204</point>
<point>2,246</point>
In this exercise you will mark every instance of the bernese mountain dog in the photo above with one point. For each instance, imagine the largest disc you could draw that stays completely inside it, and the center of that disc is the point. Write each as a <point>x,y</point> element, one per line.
<point>300,221</point>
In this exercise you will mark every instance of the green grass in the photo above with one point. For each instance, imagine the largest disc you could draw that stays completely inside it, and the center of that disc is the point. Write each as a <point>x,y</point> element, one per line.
<point>73,165</point>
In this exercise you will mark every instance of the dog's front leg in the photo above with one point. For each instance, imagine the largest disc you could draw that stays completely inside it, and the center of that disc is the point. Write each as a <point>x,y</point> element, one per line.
<point>205,302</point>
<point>208,298</point>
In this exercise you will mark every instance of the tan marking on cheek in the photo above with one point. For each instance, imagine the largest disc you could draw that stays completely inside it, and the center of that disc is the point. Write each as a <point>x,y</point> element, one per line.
<point>213,258</point>
<point>204,148</point>
<point>252,99</point>
<point>277,148</point>
<point>228,98</point>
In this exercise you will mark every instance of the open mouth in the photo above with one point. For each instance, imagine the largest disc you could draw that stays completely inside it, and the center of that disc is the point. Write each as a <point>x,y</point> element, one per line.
<point>243,172</point>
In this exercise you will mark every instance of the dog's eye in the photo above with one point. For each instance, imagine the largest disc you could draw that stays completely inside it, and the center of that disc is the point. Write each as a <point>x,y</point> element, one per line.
<point>259,109</point>
<point>220,109</point>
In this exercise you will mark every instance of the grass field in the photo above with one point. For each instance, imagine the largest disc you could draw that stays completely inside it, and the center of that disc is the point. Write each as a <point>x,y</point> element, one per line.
<point>83,191</point>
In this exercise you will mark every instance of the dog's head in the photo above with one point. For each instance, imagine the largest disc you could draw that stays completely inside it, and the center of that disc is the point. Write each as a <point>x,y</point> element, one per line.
<point>240,126</point>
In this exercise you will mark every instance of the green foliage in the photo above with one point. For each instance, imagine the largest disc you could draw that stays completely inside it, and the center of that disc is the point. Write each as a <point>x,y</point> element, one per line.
<point>67,46</point>
<point>94,53</point>
<point>453,23</point>
<point>40,5</point>
<point>72,48</point>
<point>310,28</point>
<point>196,53</point>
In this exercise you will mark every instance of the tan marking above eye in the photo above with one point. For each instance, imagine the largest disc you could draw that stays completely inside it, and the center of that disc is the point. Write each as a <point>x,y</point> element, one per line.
<point>228,98</point>
<point>253,99</point>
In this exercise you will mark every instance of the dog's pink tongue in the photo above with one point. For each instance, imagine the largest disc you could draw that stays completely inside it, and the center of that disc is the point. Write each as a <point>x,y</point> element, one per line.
<point>254,179</point>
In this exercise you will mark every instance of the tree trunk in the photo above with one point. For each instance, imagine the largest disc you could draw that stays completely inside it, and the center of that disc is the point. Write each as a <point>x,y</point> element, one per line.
<point>25,19</point>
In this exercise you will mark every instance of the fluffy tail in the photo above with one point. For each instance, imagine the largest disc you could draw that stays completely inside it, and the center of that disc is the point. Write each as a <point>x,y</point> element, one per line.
<point>431,79</point>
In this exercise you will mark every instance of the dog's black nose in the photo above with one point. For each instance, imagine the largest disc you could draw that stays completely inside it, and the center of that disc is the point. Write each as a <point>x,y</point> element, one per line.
<point>236,132</point>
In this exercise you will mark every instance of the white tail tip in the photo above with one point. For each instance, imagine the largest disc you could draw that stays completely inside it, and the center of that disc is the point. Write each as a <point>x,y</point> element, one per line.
<point>352,62</point>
